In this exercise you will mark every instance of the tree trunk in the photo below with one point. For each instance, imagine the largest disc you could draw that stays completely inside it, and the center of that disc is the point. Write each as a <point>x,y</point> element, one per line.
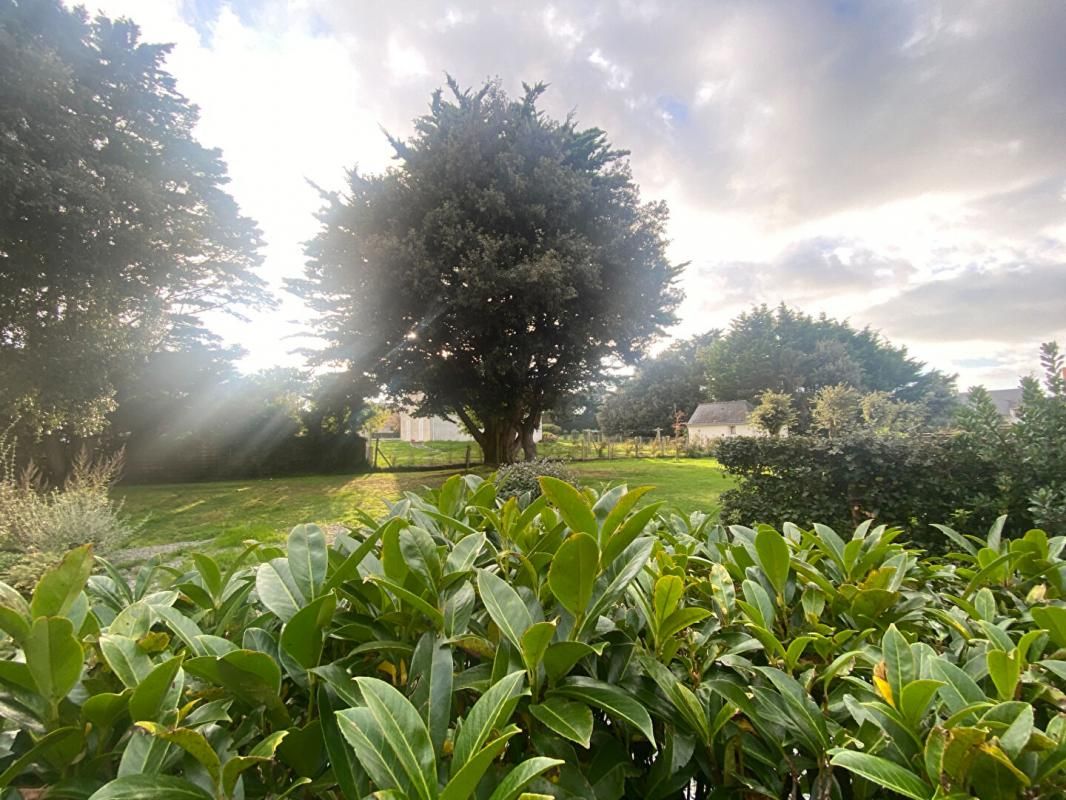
<point>500,440</point>
<point>529,427</point>
<point>500,443</point>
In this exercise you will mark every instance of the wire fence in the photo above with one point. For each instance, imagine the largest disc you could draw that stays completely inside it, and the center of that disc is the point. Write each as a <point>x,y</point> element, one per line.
<point>398,454</point>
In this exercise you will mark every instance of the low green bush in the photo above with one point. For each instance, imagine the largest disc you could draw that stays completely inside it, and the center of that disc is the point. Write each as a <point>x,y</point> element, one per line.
<point>908,481</point>
<point>521,479</point>
<point>586,646</point>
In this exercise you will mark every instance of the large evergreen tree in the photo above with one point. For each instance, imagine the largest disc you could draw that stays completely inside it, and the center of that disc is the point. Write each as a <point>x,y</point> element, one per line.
<point>495,269</point>
<point>114,223</point>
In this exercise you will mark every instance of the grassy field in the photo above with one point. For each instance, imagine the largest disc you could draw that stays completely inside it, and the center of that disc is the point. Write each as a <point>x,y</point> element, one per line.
<point>688,484</point>
<point>221,516</point>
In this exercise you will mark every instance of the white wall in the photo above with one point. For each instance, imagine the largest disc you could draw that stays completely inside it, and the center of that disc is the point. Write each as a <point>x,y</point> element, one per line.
<point>437,429</point>
<point>697,433</point>
<point>706,433</point>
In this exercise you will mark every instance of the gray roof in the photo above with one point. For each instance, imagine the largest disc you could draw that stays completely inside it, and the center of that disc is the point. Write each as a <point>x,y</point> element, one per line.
<point>731,412</point>
<point>1006,401</point>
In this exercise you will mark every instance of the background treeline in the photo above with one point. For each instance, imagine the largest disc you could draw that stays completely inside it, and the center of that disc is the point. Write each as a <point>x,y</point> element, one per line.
<point>189,414</point>
<point>778,350</point>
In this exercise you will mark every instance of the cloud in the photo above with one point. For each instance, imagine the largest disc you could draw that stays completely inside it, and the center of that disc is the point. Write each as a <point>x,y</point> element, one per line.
<point>1012,304</point>
<point>791,110</point>
<point>810,269</point>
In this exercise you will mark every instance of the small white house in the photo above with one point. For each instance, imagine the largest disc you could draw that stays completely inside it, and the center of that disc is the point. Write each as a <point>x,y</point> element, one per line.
<point>437,429</point>
<point>720,420</point>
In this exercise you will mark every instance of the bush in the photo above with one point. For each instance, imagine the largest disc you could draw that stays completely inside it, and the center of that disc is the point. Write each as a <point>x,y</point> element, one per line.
<point>581,649</point>
<point>521,479</point>
<point>38,524</point>
<point>908,481</point>
<point>549,427</point>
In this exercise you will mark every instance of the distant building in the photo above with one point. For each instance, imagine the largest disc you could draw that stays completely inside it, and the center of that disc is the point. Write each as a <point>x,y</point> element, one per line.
<point>431,429</point>
<point>720,420</point>
<point>1006,401</point>
<point>437,429</point>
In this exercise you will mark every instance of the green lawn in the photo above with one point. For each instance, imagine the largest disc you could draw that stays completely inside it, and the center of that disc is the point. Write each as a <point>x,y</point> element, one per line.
<point>227,513</point>
<point>224,515</point>
<point>688,484</point>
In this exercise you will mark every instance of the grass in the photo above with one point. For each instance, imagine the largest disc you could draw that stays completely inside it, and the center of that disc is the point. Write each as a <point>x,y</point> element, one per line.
<point>223,515</point>
<point>688,484</point>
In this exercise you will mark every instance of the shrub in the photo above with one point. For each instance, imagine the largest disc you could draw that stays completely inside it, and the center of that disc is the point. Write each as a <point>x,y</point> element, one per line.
<point>583,648</point>
<point>552,428</point>
<point>39,524</point>
<point>908,481</point>
<point>521,479</point>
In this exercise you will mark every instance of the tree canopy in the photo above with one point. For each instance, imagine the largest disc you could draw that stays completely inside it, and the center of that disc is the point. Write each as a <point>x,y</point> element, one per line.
<point>114,222</point>
<point>662,385</point>
<point>784,350</point>
<point>495,269</point>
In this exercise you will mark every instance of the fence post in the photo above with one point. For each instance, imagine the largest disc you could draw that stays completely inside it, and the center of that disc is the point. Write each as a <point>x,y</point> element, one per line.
<point>468,458</point>
<point>377,446</point>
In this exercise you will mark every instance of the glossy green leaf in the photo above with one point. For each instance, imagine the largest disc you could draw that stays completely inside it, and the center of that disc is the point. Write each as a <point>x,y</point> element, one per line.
<point>774,556</point>
<point>150,787</point>
<point>573,572</point>
<point>609,698</point>
<point>147,699</point>
<point>666,596</point>
<point>1053,620</point>
<point>628,532</point>
<point>192,742</point>
<point>308,559</point>
<point>899,661</point>
<point>568,718</point>
<point>405,734</point>
<point>350,776</point>
<point>1005,669</point>
<point>278,590</point>
<point>15,617</point>
<point>511,786</point>
<point>505,607</point>
<point>60,586</point>
<point>53,656</point>
<point>491,712</point>
<point>535,642</point>
<point>884,773</point>
<point>466,780</point>
<point>573,506</point>
<point>39,750</point>
<point>302,636</point>
<point>433,673</point>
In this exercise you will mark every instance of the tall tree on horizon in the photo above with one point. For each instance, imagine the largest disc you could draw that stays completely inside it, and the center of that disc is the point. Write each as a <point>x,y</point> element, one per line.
<point>495,269</point>
<point>115,226</point>
<point>785,350</point>
<point>661,386</point>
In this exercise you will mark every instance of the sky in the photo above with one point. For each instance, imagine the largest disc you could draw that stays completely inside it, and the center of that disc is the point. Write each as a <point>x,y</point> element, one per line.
<point>898,164</point>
